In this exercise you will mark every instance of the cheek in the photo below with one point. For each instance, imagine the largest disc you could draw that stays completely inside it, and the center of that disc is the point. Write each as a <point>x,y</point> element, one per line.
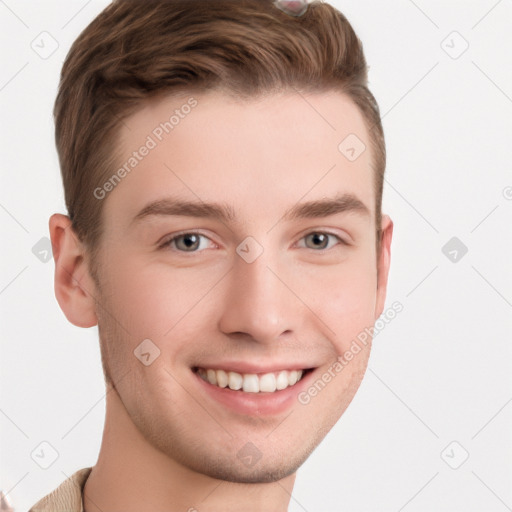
<point>156,301</point>
<point>141,303</point>
<point>344,299</point>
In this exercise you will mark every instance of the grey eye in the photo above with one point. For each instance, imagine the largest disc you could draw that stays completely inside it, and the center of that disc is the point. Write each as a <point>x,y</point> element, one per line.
<point>190,242</point>
<point>319,240</point>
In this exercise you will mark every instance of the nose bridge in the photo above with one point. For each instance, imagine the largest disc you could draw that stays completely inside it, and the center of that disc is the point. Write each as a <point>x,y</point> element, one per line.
<point>257,302</point>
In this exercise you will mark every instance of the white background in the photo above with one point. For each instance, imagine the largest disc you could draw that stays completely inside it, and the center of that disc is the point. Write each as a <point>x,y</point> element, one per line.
<point>440,371</point>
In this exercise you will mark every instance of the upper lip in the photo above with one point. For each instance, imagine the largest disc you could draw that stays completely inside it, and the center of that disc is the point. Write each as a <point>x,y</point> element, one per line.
<point>248,367</point>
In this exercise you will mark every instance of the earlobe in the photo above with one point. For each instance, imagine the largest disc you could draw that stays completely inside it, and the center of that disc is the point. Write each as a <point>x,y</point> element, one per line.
<point>384,261</point>
<point>74,287</point>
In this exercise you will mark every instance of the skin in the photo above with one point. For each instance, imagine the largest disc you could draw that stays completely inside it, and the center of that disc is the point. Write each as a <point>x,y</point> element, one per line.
<point>167,445</point>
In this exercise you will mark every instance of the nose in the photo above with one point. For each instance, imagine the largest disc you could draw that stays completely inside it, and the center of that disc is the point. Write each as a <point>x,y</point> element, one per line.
<point>257,303</point>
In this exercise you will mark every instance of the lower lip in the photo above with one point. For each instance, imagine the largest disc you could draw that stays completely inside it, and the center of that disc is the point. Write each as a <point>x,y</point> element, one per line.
<point>256,404</point>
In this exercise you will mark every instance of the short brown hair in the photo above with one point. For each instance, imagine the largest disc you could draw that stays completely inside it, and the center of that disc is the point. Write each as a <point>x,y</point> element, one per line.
<point>135,50</point>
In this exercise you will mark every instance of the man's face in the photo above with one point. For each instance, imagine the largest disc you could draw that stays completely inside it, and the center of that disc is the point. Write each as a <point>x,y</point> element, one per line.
<point>260,294</point>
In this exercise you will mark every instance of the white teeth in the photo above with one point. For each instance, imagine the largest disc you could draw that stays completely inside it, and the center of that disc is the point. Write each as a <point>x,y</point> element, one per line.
<point>222,378</point>
<point>282,380</point>
<point>268,382</point>
<point>292,377</point>
<point>235,381</point>
<point>250,382</point>
<point>212,378</point>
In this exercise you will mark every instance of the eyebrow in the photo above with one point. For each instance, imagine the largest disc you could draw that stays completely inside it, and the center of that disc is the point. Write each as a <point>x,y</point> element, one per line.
<point>344,203</point>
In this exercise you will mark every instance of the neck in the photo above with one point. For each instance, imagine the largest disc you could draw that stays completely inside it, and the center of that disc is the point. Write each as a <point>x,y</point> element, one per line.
<point>132,475</point>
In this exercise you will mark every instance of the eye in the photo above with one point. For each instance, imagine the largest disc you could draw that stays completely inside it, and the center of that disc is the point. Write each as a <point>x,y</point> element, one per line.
<point>185,242</point>
<point>320,240</point>
<point>192,241</point>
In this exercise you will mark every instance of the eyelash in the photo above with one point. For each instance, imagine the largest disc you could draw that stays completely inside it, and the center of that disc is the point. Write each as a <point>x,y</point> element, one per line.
<point>169,241</point>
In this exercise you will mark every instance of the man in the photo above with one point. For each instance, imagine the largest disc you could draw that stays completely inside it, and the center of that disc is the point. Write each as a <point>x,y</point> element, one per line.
<point>223,166</point>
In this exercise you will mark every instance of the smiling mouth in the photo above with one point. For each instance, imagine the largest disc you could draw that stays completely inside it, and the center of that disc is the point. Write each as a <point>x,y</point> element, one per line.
<point>251,382</point>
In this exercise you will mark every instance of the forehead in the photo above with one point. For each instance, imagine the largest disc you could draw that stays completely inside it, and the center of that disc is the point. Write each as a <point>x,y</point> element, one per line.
<point>259,155</point>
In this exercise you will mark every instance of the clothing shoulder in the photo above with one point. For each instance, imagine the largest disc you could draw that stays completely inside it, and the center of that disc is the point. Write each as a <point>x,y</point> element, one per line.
<point>67,497</point>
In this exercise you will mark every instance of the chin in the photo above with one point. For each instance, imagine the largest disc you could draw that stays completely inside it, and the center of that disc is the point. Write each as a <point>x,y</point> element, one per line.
<point>234,467</point>
<point>259,474</point>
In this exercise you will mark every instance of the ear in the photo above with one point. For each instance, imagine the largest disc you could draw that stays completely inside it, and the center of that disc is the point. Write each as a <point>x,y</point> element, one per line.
<point>383,263</point>
<point>74,287</point>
